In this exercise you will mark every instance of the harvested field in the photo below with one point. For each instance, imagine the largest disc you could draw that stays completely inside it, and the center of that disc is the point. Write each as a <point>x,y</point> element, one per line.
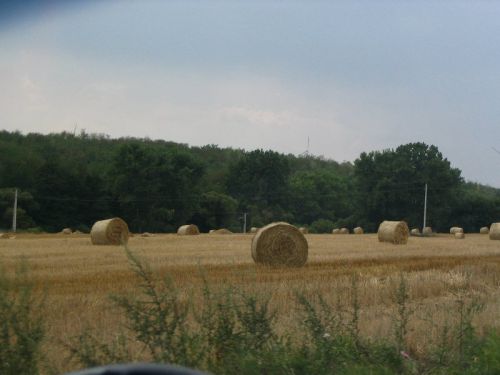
<point>79,277</point>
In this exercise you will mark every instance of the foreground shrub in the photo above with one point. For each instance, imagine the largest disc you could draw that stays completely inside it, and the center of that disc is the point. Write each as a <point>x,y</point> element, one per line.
<point>21,325</point>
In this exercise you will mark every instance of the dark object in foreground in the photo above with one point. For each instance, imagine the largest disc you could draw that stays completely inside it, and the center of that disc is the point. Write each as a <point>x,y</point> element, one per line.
<point>138,369</point>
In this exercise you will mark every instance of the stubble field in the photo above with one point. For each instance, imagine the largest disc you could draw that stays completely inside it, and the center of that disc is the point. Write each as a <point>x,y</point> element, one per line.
<point>77,279</point>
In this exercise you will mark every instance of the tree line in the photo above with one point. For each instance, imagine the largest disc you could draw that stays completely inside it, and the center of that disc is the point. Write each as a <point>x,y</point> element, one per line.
<point>68,180</point>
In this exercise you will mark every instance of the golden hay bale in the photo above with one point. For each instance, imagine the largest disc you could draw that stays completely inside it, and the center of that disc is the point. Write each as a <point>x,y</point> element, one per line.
<point>336,231</point>
<point>427,231</point>
<point>484,230</point>
<point>221,231</point>
<point>415,232</point>
<point>147,234</point>
<point>66,231</point>
<point>211,231</point>
<point>459,235</point>
<point>344,231</point>
<point>393,231</point>
<point>280,244</point>
<point>109,232</point>
<point>454,230</point>
<point>254,229</point>
<point>358,230</point>
<point>188,230</point>
<point>495,231</point>
<point>304,230</point>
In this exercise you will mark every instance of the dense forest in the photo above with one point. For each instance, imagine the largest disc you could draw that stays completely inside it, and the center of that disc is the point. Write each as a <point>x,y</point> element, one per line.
<point>67,180</point>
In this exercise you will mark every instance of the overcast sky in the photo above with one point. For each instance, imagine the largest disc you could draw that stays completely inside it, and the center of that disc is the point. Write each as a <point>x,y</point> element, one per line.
<point>351,76</point>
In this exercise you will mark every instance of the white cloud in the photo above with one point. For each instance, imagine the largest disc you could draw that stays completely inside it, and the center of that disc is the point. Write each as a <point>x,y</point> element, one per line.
<point>34,100</point>
<point>257,117</point>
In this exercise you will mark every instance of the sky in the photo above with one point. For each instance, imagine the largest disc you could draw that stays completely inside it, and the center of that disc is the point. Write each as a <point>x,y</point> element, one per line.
<point>350,76</point>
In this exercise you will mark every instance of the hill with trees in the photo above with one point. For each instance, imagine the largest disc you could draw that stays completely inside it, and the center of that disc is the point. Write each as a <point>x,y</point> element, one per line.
<point>67,180</point>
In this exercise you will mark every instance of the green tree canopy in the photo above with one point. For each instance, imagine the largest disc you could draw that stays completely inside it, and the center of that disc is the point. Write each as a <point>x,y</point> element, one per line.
<point>155,189</point>
<point>390,185</point>
<point>259,180</point>
<point>320,194</point>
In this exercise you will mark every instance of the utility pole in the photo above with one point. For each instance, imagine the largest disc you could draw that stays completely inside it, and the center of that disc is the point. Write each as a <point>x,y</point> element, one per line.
<point>245,222</point>
<point>425,208</point>
<point>14,214</point>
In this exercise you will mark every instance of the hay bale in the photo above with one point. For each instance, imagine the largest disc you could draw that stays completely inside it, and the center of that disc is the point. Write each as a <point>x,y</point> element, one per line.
<point>454,230</point>
<point>280,244</point>
<point>221,231</point>
<point>395,232</point>
<point>495,231</point>
<point>344,231</point>
<point>427,231</point>
<point>147,234</point>
<point>109,232</point>
<point>484,230</point>
<point>211,231</point>
<point>336,231</point>
<point>254,229</point>
<point>415,232</point>
<point>66,231</point>
<point>304,230</point>
<point>358,230</point>
<point>188,230</point>
<point>459,235</point>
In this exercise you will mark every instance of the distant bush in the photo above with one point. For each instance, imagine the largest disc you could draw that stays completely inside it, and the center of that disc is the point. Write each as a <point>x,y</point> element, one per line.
<point>82,228</point>
<point>321,226</point>
<point>33,230</point>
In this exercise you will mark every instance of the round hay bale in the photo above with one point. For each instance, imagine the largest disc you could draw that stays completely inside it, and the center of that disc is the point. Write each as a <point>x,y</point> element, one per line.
<point>66,231</point>
<point>221,231</point>
<point>147,234</point>
<point>454,230</point>
<point>254,229</point>
<point>395,232</point>
<point>484,230</point>
<point>188,230</point>
<point>427,231</point>
<point>344,231</point>
<point>211,231</point>
<point>109,232</point>
<point>358,230</point>
<point>304,230</point>
<point>415,232</point>
<point>495,231</point>
<point>336,231</point>
<point>459,235</point>
<point>280,244</point>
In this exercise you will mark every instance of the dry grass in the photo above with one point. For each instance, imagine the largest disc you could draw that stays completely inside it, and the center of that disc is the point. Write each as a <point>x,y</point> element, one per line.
<point>78,277</point>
